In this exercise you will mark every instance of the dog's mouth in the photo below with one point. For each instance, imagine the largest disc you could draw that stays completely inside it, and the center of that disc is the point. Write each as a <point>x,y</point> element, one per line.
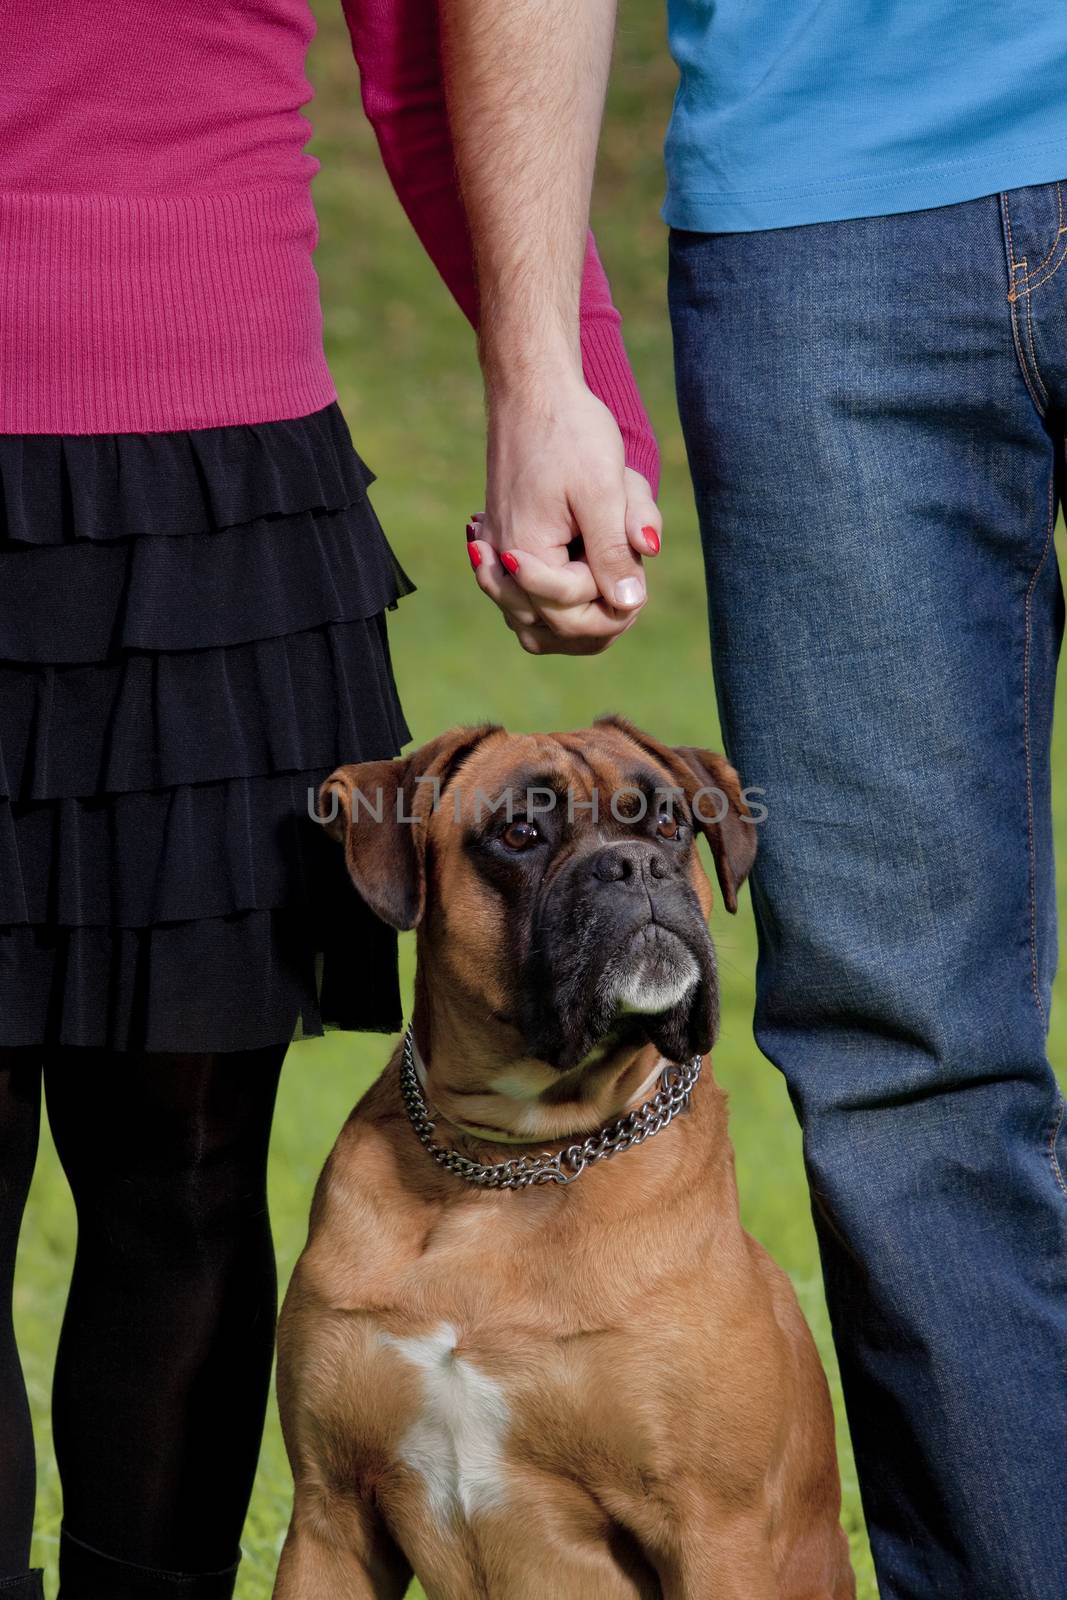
<point>654,982</point>
<point>653,971</point>
<point>661,984</point>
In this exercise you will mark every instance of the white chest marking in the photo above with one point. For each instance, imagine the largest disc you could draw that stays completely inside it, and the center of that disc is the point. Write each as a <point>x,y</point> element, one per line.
<point>456,1443</point>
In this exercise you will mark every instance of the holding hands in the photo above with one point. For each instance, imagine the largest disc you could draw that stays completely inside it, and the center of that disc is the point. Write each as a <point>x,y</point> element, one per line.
<point>559,547</point>
<point>567,520</point>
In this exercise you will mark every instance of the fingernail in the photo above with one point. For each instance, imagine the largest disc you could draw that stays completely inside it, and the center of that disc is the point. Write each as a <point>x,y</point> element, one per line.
<point>651,539</point>
<point>475,555</point>
<point>629,592</point>
<point>472,531</point>
<point>476,516</point>
<point>510,562</point>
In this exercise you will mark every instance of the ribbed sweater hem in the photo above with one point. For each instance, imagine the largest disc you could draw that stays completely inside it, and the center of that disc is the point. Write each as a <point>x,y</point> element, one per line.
<point>141,313</point>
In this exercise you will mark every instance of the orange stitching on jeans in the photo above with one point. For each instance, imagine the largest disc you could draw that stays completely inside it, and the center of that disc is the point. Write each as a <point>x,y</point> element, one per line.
<point>1060,231</point>
<point>1013,267</point>
<point>1054,1134</point>
<point>1034,368</point>
<point>1027,749</point>
<point>1034,280</point>
<point>1031,288</point>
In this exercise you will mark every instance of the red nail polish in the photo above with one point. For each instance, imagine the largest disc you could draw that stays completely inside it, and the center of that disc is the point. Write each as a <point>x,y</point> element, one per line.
<point>651,539</point>
<point>510,562</point>
<point>472,531</point>
<point>475,555</point>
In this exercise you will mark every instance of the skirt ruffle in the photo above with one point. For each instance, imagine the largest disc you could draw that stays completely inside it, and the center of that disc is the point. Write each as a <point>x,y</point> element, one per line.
<point>157,719</point>
<point>242,982</point>
<point>192,636</point>
<point>57,489</point>
<point>85,602</point>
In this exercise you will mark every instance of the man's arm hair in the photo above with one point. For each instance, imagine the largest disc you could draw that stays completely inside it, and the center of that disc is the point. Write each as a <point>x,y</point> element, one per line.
<point>526,82</point>
<point>398,48</point>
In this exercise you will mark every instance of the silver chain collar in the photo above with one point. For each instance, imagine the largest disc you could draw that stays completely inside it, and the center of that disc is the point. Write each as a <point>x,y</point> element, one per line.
<point>520,1172</point>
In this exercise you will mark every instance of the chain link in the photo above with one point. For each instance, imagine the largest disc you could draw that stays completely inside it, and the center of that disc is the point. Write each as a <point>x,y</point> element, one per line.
<point>520,1172</point>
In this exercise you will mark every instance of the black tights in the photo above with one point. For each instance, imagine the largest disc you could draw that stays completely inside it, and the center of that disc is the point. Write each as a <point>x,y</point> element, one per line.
<point>164,1358</point>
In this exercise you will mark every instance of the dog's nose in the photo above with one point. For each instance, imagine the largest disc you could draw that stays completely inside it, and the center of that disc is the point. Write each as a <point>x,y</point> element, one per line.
<point>631,863</point>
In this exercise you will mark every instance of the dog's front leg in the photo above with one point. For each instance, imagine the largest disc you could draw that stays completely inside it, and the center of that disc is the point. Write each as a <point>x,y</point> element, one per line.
<point>729,1558</point>
<point>345,1557</point>
<point>723,1574</point>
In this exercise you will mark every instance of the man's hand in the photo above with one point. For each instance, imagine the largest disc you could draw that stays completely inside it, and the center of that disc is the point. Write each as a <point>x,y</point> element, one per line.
<point>557,479</point>
<point>526,83</point>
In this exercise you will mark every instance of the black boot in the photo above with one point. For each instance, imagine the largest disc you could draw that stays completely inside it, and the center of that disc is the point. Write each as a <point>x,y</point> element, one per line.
<point>88,1574</point>
<point>27,1586</point>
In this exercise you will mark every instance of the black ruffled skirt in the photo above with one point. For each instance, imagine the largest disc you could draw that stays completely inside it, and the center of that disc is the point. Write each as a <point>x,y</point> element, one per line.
<point>192,636</point>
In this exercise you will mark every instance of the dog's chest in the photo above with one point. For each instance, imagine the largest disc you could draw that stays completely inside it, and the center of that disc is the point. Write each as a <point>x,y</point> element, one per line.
<point>455,1443</point>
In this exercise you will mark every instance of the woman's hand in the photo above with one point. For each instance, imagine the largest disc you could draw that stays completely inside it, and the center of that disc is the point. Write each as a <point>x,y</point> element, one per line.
<point>560,548</point>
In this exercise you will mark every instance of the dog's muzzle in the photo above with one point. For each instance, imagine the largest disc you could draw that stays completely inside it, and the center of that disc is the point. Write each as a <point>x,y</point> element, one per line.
<point>618,947</point>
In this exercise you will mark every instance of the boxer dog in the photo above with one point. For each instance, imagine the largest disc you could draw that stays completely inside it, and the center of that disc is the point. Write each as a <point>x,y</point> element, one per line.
<point>507,1364</point>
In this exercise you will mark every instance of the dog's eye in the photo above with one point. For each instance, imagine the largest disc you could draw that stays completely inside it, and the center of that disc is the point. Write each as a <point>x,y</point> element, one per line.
<point>667,825</point>
<point>520,834</point>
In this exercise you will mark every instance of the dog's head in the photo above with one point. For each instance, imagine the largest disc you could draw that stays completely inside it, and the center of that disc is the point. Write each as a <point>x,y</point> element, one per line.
<point>554,879</point>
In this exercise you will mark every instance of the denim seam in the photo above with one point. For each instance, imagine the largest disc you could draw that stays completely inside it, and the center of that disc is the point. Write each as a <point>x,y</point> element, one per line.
<point>1060,231</point>
<point>1013,297</point>
<point>1054,1160</point>
<point>1031,344</point>
<point>1034,280</point>
<point>1032,288</point>
<point>1028,750</point>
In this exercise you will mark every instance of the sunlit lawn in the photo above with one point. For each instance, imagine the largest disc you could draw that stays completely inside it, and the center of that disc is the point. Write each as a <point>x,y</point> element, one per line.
<point>404,364</point>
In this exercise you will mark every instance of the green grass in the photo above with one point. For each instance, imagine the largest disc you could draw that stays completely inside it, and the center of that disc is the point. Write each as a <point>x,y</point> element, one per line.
<point>404,363</point>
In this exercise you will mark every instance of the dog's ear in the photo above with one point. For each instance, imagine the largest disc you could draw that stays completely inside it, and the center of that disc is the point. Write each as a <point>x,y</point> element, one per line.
<point>379,811</point>
<point>722,815</point>
<point>713,790</point>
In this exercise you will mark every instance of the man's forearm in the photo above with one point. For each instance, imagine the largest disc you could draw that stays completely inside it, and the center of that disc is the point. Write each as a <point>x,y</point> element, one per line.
<point>526,84</point>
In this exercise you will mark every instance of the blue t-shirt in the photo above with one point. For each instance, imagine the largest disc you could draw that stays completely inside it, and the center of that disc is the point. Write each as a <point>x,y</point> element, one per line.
<point>793,111</point>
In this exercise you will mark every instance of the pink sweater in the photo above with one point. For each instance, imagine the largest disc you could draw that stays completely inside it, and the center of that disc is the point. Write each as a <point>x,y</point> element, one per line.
<point>156,224</point>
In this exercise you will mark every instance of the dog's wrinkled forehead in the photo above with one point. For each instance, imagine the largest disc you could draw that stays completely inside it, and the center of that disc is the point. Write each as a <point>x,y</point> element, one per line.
<point>405,823</point>
<point>587,778</point>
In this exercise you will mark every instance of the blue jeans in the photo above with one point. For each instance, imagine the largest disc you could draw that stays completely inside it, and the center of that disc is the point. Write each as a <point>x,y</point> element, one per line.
<point>874,412</point>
